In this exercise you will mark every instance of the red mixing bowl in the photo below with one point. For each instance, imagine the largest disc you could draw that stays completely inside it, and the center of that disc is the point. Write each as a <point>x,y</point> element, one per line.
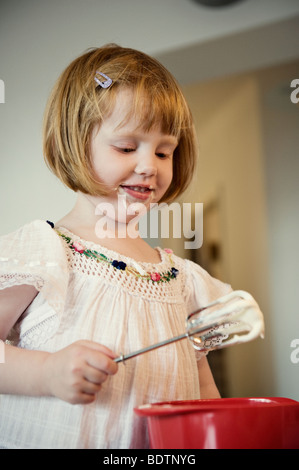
<point>224,423</point>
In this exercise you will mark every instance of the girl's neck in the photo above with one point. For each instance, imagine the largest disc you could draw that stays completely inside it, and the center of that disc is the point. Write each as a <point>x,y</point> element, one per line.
<point>121,238</point>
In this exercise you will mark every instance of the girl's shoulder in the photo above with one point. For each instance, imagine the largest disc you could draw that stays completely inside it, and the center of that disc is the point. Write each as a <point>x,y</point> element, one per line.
<point>200,287</point>
<point>33,244</point>
<point>35,228</point>
<point>35,255</point>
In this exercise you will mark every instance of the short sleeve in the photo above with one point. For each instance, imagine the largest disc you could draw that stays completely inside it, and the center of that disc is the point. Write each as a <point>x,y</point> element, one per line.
<point>201,288</point>
<point>34,255</point>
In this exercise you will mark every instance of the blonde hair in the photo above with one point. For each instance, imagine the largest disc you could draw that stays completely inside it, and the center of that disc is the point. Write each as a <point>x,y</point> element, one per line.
<point>77,105</point>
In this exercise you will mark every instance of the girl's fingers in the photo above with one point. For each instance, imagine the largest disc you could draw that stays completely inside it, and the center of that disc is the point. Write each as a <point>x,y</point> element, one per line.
<point>94,376</point>
<point>92,383</point>
<point>75,374</point>
<point>98,347</point>
<point>100,358</point>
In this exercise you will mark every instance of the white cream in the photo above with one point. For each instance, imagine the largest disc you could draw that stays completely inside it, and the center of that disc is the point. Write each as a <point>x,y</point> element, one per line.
<point>239,314</point>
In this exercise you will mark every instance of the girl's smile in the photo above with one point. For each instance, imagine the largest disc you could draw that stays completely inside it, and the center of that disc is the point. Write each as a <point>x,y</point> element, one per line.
<point>142,192</point>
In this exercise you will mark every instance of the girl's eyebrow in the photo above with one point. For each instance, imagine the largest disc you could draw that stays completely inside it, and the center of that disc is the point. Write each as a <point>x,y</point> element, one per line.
<point>165,139</point>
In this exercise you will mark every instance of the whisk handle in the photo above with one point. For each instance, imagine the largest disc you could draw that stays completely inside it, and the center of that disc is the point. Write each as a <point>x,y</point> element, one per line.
<point>123,357</point>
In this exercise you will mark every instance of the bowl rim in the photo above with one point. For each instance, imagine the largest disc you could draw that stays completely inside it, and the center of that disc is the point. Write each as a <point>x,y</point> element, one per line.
<point>213,405</point>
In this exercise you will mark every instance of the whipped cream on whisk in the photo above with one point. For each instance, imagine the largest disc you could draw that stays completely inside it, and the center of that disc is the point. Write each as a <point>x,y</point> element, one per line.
<point>235,318</point>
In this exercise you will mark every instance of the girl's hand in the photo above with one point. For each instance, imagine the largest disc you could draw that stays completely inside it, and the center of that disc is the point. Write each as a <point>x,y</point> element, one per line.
<point>75,374</point>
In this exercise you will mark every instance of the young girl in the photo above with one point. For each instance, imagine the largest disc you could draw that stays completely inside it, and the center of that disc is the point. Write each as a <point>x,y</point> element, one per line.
<point>118,132</point>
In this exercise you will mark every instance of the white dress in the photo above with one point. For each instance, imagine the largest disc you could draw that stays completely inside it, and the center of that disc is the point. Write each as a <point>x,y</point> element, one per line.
<point>80,298</point>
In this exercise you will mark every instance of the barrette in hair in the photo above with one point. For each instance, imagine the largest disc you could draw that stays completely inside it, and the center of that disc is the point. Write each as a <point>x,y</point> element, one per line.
<point>103,84</point>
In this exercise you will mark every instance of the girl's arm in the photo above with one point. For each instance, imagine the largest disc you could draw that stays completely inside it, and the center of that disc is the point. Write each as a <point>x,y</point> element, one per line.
<point>74,374</point>
<point>207,384</point>
<point>13,302</point>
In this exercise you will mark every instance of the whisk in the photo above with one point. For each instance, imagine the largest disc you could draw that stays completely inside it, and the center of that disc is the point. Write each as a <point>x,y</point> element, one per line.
<point>232,319</point>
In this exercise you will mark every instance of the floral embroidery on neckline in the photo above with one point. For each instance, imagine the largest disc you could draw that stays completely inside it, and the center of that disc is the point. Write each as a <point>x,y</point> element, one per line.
<point>135,269</point>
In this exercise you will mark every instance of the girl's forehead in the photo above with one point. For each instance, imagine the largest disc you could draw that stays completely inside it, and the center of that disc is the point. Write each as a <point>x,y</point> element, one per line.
<point>133,111</point>
<point>128,106</point>
<point>135,130</point>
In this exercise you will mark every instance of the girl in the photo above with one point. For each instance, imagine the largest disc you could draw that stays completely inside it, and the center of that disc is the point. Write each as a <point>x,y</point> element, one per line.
<point>118,132</point>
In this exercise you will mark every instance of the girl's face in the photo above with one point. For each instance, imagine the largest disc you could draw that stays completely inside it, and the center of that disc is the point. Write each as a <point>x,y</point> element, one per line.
<point>135,164</point>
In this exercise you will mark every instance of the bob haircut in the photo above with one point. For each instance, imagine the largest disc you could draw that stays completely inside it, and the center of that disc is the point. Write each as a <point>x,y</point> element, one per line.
<point>77,104</point>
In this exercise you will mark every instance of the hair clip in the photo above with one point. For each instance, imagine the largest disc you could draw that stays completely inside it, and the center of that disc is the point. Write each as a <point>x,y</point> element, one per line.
<point>103,84</point>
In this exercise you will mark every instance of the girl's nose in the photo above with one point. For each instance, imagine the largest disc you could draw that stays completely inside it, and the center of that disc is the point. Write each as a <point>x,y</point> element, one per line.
<point>146,166</point>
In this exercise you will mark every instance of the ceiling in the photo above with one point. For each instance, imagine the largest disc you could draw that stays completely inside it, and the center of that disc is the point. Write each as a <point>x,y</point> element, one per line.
<point>196,42</point>
<point>254,48</point>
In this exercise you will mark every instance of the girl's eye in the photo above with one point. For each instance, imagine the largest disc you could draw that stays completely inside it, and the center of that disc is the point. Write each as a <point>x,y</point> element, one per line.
<point>125,149</point>
<point>161,155</point>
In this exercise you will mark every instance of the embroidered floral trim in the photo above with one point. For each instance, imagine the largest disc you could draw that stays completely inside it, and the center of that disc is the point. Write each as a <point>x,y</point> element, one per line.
<point>155,277</point>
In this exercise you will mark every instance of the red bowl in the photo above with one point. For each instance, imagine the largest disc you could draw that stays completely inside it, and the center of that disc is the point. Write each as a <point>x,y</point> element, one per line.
<point>224,423</point>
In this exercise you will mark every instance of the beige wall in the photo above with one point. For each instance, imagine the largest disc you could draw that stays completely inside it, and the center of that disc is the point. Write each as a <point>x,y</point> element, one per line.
<point>280,119</point>
<point>234,170</point>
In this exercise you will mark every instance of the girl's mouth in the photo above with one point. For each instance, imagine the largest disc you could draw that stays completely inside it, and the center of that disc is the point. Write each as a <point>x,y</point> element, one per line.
<point>138,192</point>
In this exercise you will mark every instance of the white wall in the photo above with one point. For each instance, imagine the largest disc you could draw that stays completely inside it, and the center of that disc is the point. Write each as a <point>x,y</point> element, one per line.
<point>249,163</point>
<point>280,119</point>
